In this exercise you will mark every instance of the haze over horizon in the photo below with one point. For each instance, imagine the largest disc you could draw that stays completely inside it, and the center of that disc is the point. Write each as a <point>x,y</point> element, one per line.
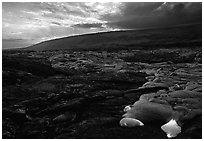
<point>24,24</point>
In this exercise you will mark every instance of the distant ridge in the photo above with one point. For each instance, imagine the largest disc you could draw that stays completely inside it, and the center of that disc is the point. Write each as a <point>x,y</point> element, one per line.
<point>176,36</point>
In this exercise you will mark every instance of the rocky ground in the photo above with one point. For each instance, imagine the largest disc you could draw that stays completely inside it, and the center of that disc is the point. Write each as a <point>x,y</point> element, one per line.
<point>73,94</point>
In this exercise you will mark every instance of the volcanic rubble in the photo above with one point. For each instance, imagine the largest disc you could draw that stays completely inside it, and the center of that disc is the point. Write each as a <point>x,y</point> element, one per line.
<point>70,94</point>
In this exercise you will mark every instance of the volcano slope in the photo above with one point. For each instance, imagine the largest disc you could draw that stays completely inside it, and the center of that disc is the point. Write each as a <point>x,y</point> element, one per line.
<point>152,38</point>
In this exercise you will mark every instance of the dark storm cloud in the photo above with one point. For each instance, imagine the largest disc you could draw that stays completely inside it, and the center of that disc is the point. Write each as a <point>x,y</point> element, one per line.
<point>139,15</point>
<point>56,23</point>
<point>140,9</point>
<point>11,40</point>
<point>87,25</point>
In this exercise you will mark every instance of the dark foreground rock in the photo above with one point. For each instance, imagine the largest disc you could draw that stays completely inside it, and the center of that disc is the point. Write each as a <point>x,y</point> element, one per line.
<point>82,95</point>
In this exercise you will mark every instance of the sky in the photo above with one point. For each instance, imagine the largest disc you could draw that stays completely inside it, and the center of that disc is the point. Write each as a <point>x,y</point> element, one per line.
<point>27,23</point>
